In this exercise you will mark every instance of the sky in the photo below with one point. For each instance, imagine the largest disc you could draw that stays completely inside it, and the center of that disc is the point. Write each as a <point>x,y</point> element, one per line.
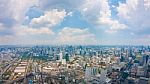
<point>88,22</point>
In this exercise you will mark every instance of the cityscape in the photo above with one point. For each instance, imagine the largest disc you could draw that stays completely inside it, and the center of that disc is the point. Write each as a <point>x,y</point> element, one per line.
<point>68,64</point>
<point>74,41</point>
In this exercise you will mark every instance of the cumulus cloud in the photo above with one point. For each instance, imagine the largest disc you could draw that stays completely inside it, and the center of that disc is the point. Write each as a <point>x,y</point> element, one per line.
<point>49,19</point>
<point>28,35</point>
<point>1,26</point>
<point>60,4</point>
<point>70,13</point>
<point>12,13</point>
<point>105,19</point>
<point>75,36</point>
<point>115,26</point>
<point>15,9</point>
<point>24,30</point>
<point>99,13</point>
<point>42,24</point>
<point>132,18</point>
<point>90,10</point>
<point>66,35</point>
<point>135,13</point>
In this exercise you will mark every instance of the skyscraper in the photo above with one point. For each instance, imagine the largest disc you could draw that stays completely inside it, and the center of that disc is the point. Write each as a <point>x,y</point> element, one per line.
<point>60,56</point>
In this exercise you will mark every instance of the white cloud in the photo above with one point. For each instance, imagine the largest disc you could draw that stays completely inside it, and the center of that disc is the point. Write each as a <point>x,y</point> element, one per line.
<point>28,35</point>
<point>135,13</point>
<point>99,13</point>
<point>60,4</point>
<point>75,36</point>
<point>17,9</point>
<point>70,13</point>
<point>105,19</point>
<point>115,26</point>
<point>105,11</point>
<point>67,35</point>
<point>1,26</point>
<point>147,4</point>
<point>90,10</point>
<point>24,30</point>
<point>12,14</point>
<point>132,33</point>
<point>93,9</point>
<point>49,19</point>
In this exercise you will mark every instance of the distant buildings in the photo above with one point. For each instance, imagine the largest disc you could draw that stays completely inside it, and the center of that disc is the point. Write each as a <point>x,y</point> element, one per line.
<point>78,64</point>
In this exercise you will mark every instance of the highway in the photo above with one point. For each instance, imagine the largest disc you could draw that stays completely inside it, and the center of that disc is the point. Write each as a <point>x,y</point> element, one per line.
<point>8,66</point>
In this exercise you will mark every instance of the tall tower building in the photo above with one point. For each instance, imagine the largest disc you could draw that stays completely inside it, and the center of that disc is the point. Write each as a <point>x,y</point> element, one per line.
<point>60,56</point>
<point>67,57</point>
<point>88,72</point>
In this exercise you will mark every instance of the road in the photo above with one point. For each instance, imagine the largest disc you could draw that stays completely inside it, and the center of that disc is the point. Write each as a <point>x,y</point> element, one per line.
<point>8,66</point>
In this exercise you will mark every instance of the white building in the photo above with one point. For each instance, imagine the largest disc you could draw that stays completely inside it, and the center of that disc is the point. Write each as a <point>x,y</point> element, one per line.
<point>90,71</point>
<point>20,69</point>
<point>140,71</point>
<point>60,56</point>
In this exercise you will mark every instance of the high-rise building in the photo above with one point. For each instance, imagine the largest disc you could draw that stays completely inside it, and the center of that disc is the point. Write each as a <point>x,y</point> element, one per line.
<point>60,56</point>
<point>140,71</point>
<point>67,57</point>
<point>88,72</point>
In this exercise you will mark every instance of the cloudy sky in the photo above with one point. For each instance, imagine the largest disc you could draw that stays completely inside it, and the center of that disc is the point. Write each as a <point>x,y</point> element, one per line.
<point>102,22</point>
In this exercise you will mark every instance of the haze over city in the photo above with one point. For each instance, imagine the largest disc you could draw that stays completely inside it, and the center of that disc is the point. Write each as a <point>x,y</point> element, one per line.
<point>102,22</point>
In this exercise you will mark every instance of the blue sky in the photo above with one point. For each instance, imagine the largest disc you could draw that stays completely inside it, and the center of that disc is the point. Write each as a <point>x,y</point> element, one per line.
<point>99,22</point>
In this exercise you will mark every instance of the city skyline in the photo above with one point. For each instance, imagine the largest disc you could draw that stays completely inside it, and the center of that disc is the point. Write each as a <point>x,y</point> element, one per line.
<point>75,64</point>
<point>78,22</point>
